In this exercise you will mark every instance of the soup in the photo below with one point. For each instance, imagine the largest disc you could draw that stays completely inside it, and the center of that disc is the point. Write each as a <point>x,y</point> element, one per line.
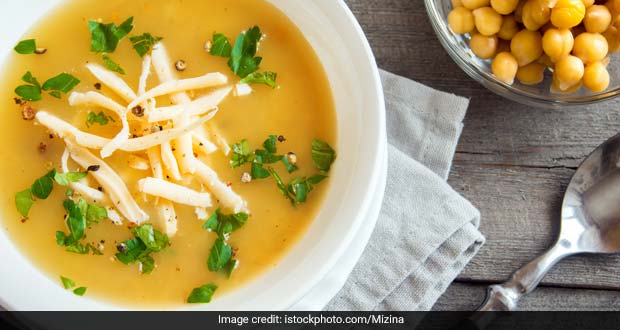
<point>176,168</point>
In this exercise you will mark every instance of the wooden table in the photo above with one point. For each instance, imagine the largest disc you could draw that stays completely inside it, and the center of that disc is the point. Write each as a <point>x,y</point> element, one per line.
<point>513,162</point>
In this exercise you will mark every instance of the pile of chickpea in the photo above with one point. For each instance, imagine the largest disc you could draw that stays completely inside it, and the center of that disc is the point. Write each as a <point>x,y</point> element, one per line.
<point>524,37</point>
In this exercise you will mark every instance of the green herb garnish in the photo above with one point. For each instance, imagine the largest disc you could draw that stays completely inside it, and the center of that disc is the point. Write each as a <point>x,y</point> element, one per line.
<point>31,91</point>
<point>322,155</point>
<point>24,202</point>
<point>80,215</point>
<point>220,46</point>
<point>43,186</point>
<point>64,179</point>
<point>80,291</point>
<point>98,118</point>
<point>104,38</point>
<point>67,283</point>
<point>241,154</point>
<point>258,171</point>
<point>143,43</point>
<point>220,255</point>
<point>242,59</point>
<point>63,82</point>
<point>111,65</point>
<point>202,295</point>
<point>147,240</point>
<point>267,78</point>
<point>24,47</point>
<point>224,224</point>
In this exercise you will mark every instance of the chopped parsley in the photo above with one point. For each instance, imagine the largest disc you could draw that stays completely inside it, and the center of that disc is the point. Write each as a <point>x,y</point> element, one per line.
<point>224,224</point>
<point>42,188</point>
<point>300,187</point>
<point>111,65</point>
<point>220,255</point>
<point>267,78</point>
<point>63,82</point>
<point>146,241</point>
<point>67,283</point>
<point>322,155</point>
<point>24,47</point>
<point>31,91</point>
<point>80,215</point>
<point>80,291</point>
<point>97,118</point>
<point>241,154</point>
<point>220,46</point>
<point>202,295</point>
<point>104,38</point>
<point>143,43</point>
<point>242,59</point>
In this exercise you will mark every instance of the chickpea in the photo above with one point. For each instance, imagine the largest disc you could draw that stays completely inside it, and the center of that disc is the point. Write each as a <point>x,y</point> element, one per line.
<point>557,43</point>
<point>505,67</point>
<point>461,20</point>
<point>540,12</point>
<point>504,7</point>
<point>613,39</point>
<point>596,77</point>
<point>526,46</point>
<point>568,71</point>
<point>590,47</point>
<point>473,4</point>
<point>531,74</point>
<point>488,21</point>
<point>456,3</point>
<point>509,28</point>
<point>528,17</point>
<point>568,13</point>
<point>597,19</point>
<point>555,86</point>
<point>483,46</point>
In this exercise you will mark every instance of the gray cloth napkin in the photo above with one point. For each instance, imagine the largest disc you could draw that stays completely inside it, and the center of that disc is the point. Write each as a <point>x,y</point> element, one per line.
<point>426,232</point>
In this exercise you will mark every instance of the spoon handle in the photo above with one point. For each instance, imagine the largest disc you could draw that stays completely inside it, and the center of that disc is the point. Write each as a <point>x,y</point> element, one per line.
<point>505,297</point>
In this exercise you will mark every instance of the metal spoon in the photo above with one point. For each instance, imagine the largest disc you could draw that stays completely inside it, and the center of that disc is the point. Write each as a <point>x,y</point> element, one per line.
<point>590,223</point>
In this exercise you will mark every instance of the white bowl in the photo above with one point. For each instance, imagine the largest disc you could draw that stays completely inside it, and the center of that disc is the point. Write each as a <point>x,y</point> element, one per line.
<point>346,56</point>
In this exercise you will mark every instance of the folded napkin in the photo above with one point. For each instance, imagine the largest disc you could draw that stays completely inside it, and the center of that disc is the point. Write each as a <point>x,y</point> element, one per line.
<point>426,232</point>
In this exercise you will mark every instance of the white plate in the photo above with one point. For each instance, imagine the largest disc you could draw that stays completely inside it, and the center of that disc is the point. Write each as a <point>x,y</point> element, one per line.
<point>346,56</point>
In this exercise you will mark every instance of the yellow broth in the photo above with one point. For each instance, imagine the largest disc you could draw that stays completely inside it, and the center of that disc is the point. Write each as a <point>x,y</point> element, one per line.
<point>300,109</point>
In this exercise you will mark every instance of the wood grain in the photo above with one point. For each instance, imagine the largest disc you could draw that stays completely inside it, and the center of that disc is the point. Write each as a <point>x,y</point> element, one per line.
<point>513,162</point>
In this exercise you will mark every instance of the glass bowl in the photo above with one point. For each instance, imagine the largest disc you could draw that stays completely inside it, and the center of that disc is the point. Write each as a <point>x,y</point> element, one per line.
<point>538,95</point>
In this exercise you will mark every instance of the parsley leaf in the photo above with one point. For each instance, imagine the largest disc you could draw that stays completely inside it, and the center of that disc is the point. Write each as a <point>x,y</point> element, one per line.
<point>220,46</point>
<point>67,283</point>
<point>242,61</point>
<point>322,155</point>
<point>230,267</point>
<point>270,144</point>
<point>95,213</point>
<point>63,82</point>
<point>43,186</point>
<point>220,255</point>
<point>76,222</point>
<point>30,92</point>
<point>24,47</point>
<point>267,78</point>
<point>80,291</point>
<point>24,202</point>
<point>281,186</point>
<point>79,216</point>
<point>241,154</point>
<point>64,179</point>
<point>104,38</point>
<point>111,65</point>
<point>258,171</point>
<point>224,224</point>
<point>98,118</point>
<point>289,167</point>
<point>143,43</point>
<point>202,295</point>
<point>147,240</point>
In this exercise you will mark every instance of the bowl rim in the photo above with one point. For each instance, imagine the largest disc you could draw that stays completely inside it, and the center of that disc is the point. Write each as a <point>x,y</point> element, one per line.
<point>376,122</point>
<point>501,88</point>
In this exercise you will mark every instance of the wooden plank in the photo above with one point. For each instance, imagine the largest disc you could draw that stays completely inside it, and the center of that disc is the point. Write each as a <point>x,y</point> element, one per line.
<point>467,297</point>
<point>520,210</point>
